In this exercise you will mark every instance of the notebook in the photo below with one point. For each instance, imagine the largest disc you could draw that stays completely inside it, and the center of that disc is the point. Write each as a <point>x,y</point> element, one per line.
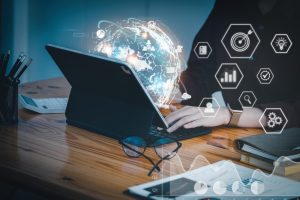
<point>270,147</point>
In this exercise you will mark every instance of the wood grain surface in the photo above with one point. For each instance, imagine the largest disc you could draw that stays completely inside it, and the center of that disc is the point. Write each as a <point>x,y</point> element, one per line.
<point>45,153</point>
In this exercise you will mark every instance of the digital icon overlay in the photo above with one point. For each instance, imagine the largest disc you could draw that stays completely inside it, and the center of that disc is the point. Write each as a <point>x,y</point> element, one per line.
<point>265,75</point>
<point>219,187</point>
<point>229,76</point>
<point>275,120</point>
<point>240,40</point>
<point>209,107</point>
<point>100,33</point>
<point>202,50</point>
<point>200,188</point>
<point>247,99</point>
<point>281,43</point>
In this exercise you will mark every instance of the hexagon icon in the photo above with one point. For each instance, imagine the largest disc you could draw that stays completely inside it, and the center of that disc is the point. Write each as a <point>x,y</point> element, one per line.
<point>229,76</point>
<point>240,40</point>
<point>275,120</point>
<point>281,43</point>
<point>209,107</point>
<point>265,75</point>
<point>247,99</point>
<point>202,50</point>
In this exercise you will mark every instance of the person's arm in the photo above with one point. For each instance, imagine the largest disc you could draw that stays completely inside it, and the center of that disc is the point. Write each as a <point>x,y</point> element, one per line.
<point>190,117</point>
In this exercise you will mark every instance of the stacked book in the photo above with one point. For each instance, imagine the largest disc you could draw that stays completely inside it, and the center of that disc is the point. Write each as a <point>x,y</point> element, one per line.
<point>278,153</point>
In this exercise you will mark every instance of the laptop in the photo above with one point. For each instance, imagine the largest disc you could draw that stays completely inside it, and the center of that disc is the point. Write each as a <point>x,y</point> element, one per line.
<point>107,97</point>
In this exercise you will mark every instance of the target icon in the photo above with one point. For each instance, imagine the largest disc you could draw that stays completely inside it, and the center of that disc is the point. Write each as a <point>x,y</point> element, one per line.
<point>240,41</point>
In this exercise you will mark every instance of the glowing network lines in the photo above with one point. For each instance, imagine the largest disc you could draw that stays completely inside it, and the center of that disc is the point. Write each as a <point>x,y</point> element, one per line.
<point>149,49</point>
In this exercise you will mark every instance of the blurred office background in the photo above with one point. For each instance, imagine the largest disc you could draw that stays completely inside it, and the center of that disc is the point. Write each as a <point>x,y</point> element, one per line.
<point>27,25</point>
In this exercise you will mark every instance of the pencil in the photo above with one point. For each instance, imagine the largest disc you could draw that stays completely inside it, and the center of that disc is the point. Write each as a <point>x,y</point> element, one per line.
<point>23,70</point>
<point>16,66</point>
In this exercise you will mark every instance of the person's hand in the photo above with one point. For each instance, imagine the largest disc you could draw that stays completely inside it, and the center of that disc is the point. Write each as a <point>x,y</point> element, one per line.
<point>190,117</point>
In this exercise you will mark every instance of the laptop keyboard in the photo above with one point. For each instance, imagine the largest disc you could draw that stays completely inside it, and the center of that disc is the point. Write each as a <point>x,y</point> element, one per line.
<point>180,134</point>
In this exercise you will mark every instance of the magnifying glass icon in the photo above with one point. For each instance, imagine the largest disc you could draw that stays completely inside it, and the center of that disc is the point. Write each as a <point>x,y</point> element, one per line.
<point>247,98</point>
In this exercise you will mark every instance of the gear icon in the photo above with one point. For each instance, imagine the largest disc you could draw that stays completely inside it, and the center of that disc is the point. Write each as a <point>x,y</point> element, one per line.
<point>272,116</point>
<point>274,120</point>
<point>278,120</point>
<point>271,123</point>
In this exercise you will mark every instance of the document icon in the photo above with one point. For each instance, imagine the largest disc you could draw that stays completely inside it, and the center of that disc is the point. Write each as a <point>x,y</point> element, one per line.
<point>203,50</point>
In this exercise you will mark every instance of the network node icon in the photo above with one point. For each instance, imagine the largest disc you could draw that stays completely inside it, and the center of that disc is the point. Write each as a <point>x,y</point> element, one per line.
<point>100,34</point>
<point>209,107</point>
<point>229,76</point>
<point>273,120</point>
<point>281,43</point>
<point>240,40</point>
<point>247,99</point>
<point>202,50</point>
<point>265,76</point>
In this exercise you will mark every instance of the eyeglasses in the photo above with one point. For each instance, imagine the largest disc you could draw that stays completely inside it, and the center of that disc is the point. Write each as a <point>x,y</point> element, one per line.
<point>165,148</point>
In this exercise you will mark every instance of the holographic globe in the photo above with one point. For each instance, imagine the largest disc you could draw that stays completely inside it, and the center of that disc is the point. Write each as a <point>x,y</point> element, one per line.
<point>149,50</point>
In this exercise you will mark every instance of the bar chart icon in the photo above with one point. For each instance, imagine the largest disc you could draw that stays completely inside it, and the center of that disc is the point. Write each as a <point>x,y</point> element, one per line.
<point>229,75</point>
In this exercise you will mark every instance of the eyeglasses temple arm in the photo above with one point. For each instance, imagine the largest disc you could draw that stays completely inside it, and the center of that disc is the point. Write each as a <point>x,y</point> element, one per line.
<point>164,158</point>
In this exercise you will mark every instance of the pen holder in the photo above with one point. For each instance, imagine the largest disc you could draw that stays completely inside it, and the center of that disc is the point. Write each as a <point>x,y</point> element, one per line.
<point>8,103</point>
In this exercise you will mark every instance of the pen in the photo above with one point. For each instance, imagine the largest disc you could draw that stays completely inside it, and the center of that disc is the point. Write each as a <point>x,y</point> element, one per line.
<point>4,64</point>
<point>23,70</point>
<point>16,68</point>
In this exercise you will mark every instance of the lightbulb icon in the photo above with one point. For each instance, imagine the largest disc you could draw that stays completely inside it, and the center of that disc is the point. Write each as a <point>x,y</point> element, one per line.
<point>281,42</point>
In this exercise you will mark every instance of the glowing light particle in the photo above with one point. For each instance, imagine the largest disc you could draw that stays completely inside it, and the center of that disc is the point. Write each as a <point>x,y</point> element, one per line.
<point>145,35</point>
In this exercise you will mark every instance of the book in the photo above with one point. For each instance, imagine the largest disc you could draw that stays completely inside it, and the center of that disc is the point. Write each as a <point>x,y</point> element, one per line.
<point>269,151</point>
<point>285,168</point>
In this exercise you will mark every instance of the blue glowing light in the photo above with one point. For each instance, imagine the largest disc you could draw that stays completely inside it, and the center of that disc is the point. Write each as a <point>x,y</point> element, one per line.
<point>149,50</point>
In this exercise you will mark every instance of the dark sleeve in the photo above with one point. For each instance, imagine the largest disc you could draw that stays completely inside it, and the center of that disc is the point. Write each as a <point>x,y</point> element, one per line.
<point>198,79</point>
<point>291,107</point>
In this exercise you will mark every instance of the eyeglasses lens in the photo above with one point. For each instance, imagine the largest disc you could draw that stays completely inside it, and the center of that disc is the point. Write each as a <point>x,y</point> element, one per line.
<point>136,146</point>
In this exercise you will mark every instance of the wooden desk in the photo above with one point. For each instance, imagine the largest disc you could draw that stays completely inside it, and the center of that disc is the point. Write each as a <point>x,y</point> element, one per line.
<point>45,153</point>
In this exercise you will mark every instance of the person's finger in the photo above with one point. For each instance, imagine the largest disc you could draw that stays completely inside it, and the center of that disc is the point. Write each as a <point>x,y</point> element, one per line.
<point>181,122</point>
<point>173,113</point>
<point>194,124</point>
<point>173,108</point>
<point>180,113</point>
